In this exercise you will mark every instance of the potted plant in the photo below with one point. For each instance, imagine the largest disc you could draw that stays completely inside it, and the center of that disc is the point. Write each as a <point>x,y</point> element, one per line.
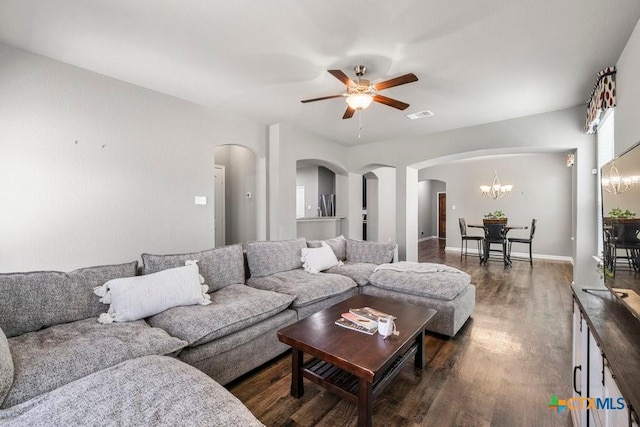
<point>618,215</point>
<point>495,217</point>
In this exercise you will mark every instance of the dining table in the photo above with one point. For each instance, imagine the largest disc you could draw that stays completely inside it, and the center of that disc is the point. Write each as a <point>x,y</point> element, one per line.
<point>505,255</point>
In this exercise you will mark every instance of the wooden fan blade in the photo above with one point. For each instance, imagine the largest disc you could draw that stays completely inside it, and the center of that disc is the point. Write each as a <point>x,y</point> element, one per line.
<point>349,113</point>
<point>390,102</point>
<point>397,81</point>
<point>338,74</point>
<point>320,99</point>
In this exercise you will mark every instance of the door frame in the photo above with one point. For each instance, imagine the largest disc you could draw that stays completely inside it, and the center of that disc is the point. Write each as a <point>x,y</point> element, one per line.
<point>438,214</point>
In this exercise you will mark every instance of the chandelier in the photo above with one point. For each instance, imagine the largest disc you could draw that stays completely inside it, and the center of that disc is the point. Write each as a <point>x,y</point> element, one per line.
<point>495,190</point>
<point>617,184</point>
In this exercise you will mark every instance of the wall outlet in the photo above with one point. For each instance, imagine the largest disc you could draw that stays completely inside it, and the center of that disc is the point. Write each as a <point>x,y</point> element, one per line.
<point>201,200</point>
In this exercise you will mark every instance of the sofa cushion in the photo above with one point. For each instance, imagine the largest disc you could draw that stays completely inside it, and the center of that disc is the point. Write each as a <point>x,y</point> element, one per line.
<point>34,300</point>
<point>306,288</point>
<point>151,390</point>
<point>134,298</point>
<point>371,252</point>
<point>272,257</point>
<point>6,367</point>
<point>233,308</point>
<point>443,282</point>
<point>315,260</point>
<point>337,244</point>
<point>49,358</point>
<point>358,271</point>
<point>219,267</point>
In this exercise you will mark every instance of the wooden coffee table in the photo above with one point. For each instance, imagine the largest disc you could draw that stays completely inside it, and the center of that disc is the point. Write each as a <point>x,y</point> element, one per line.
<point>351,364</point>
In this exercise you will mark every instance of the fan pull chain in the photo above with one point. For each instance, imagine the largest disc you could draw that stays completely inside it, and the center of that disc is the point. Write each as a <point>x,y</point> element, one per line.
<point>359,124</point>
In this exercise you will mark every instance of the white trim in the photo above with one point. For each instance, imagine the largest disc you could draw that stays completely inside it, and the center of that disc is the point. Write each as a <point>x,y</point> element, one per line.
<point>427,238</point>
<point>519,255</point>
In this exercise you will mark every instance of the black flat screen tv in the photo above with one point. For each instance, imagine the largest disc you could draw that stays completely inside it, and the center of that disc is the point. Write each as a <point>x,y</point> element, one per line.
<point>620,187</point>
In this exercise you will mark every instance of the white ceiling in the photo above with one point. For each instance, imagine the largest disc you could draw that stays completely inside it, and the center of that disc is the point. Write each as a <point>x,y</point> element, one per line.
<point>478,61</point>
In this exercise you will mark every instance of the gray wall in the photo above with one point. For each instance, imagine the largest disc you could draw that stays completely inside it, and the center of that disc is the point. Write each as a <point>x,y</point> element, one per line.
<point>543,192</point>
<point>326,181</point>
<point>428,207</point>
<point>308,178</point>
<point>627,125</point>
<point>240,179</point>
<point>126,187</point>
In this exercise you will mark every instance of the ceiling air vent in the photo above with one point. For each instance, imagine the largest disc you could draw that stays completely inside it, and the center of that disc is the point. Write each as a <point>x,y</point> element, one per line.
<point>420,115</point>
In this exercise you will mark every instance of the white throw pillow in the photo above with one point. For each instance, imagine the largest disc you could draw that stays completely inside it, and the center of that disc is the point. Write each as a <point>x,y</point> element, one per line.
<point>319,259</point>
<point>134,298</point>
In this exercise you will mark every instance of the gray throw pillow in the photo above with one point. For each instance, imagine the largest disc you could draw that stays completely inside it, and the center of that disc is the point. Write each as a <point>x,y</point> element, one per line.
<point>6,367</point>
<point>35,300</point>
<point>220,267</point>
<point>266,258</point>
<point>371,252</point>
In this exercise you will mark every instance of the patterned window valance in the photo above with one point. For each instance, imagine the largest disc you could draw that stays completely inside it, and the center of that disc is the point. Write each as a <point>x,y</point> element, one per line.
<point>602,97</point>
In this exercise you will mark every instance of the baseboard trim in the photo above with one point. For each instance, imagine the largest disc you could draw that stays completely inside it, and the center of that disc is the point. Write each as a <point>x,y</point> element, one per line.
<point>474,251</point>
<point>427,238</point>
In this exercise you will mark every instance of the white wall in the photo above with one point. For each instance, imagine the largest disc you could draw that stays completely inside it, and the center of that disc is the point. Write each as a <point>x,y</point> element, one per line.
<point>545,195</point>
<point>558,131</point>
<point>386,205</point>
<point>627,125</point>
<point>126,187</point>
<point>287,145</point>
<point>240,179</point>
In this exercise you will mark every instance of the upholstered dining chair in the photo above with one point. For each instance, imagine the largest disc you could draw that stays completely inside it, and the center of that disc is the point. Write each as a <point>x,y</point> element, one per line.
<point>526,241</point>
<point>464,247</point>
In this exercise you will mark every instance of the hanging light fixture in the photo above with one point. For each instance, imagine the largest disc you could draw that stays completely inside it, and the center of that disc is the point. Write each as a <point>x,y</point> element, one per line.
<point>359,101</point>
<point>496,190</point>
<point>617,184</point>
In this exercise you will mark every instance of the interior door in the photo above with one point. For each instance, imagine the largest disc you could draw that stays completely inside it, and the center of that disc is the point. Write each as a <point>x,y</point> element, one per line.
<point>442,215</point>
<point>219,208</point>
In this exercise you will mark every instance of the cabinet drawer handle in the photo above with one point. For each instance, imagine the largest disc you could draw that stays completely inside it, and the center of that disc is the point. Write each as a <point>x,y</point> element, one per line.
<point>575,369</point>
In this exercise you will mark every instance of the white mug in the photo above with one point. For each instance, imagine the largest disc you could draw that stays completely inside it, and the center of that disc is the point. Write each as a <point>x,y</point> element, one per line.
<point>386,326</point>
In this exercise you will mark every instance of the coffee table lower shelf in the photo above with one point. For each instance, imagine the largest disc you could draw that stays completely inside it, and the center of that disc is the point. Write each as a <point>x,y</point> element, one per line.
<point>345,384</point>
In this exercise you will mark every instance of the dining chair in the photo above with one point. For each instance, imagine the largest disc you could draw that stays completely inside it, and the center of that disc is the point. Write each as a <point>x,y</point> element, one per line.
<point>464,247</point>
<point>625,237</point>
<point>496,234</point>
<point>526,241</point>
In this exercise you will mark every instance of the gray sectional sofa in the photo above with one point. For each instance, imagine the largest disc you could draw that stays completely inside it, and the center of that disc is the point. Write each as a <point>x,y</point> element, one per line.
<point>55,358</point>
<point>60,367</point>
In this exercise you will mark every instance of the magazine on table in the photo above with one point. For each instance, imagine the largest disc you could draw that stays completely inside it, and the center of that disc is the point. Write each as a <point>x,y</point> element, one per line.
<point>354,326</point>
<point>370,313</point>
<point>366,323</point>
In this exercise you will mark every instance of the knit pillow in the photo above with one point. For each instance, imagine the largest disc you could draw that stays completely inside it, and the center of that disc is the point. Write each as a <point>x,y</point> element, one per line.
<point>138,297</point>
<point>319,259</point>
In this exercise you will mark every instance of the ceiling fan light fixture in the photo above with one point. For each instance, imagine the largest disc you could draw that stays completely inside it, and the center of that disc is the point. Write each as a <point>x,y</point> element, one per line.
<point>359,101</point>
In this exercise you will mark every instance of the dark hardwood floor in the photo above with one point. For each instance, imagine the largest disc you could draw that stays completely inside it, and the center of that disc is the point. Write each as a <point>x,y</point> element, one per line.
<point>499,370</point>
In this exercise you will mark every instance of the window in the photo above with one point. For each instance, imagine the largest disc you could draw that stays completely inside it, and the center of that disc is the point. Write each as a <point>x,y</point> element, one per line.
<point>605,139</point>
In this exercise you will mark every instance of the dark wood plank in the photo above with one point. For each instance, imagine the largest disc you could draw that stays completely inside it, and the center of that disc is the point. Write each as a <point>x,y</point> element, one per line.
<point>499,370</point>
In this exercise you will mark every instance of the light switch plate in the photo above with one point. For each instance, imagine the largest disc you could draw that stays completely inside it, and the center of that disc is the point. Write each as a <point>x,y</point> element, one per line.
<point>201,200</point>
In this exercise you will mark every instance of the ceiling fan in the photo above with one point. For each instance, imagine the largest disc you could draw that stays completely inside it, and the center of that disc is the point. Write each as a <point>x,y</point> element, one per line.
<point>360,94</point>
